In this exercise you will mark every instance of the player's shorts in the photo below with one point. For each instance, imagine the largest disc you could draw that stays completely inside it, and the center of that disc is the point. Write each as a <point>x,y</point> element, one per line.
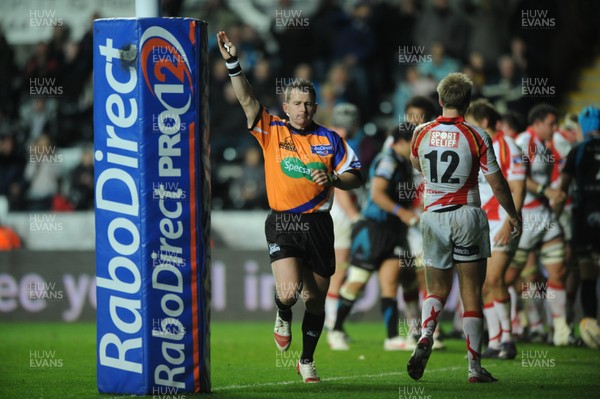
<point>415,241</point>
<point>540,225</point>
<point>308,236</point>
<point>495,227</point>
<point>374,242</point>
<point>586,233</point>
<point>455,236</point>
<point>342,228</point>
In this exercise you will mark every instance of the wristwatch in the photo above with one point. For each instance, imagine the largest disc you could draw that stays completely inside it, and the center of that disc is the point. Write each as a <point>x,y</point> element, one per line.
<point>334,179</point>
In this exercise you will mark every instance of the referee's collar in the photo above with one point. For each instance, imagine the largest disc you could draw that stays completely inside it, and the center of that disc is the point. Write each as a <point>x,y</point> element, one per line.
<point>303,132</point>
<point>449,121</point>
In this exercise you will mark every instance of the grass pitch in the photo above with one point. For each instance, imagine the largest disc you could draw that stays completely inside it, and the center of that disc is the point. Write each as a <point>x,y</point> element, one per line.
<point>245,364</point>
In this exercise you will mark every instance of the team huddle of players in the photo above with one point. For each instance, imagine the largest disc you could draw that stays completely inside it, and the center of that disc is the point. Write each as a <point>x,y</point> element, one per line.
<point>372,239</point>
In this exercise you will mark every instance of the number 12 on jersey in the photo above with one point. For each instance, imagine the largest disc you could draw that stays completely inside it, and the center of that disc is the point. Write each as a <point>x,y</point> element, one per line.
<point>449,157</point>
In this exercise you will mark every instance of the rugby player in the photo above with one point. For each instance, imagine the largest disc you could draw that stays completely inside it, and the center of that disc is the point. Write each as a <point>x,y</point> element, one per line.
<point>450,153</point>
<point>541,226</point>
<point>344,211</point>
<point>496,298</point>
<point>379,239</point>
<point>583,169</point>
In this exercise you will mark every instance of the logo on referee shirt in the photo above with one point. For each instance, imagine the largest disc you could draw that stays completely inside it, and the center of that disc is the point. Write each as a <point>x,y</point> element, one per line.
<point>288,144</point>
<point>322,150</point>
<point>294,167</point>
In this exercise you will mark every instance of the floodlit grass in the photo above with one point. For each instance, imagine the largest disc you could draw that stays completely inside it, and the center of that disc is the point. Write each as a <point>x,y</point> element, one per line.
<point>245,364</point>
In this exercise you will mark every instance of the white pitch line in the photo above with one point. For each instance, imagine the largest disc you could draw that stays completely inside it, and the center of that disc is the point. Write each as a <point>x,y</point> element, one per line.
<point>349,377</point>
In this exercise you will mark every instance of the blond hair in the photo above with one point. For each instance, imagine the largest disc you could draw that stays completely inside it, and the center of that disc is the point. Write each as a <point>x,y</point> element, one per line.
<point>455,91</point>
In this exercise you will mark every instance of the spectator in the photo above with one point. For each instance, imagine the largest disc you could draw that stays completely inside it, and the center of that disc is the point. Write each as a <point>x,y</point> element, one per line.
<point>505,90</point>
<point>248,191</point>
<point>441,24</point>
<point>41,175</point>
<point>39,117</point>
<point>264,84</point>
<point>12,165</point>
<point>354,45</point>
<point>81,193</point>
<point>8,71</point>
<point>440,66</point>
<point>414,85</point>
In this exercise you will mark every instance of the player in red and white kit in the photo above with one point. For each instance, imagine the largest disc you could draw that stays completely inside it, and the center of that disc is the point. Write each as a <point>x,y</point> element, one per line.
<point>495,292</point>
<point>540,225</point>
<point>561,144</point>
<point>450,153</point>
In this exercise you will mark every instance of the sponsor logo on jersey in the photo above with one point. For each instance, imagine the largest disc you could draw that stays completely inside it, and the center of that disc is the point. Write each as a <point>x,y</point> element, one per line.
<point>355,164</point>
<point>322,150</point>
<point>443,139</point>
<point>288,144</point>
<point>296,169</point>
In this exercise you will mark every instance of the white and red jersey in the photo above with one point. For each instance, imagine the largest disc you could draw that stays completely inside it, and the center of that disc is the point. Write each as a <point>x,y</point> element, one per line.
<point>560,147</point>
<point>510,160</point>
<point>541,162</point>
<point>451,152</point>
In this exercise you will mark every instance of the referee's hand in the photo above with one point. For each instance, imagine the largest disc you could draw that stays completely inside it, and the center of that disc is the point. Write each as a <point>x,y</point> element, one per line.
<point>227,48</point>
<point>321,177</point>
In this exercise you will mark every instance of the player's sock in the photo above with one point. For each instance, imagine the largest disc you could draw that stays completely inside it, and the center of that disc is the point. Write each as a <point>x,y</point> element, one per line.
<point>312,325</point>
<point>502,309</point>
<point>285,311</point>
<point>411,301</point>
<point>557,300</point>
<point>432,308</point>
<point>389,308</point>
<point>493,324</point>
<point>331,306</point>
<point>514,311</point>
<point>473,330</point>
<point>534,318</point>
<point>589,298</point>
<point>343,310</point>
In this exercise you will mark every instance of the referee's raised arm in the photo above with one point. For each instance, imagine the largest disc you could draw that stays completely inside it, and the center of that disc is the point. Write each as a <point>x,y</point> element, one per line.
<point>240,84</point>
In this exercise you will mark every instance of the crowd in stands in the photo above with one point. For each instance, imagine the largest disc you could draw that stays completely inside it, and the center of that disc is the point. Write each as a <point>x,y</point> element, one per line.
<point>351,50</point>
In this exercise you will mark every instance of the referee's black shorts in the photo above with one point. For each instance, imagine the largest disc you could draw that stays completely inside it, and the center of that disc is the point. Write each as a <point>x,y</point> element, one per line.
<point>308,236</point>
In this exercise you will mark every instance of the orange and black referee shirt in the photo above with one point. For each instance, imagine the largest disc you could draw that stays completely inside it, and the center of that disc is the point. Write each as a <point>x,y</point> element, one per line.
<point>290,154</point>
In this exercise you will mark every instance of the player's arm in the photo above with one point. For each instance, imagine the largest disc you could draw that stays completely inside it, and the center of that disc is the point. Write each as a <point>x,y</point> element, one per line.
<point>554,194</point>
<point>517,188</point>
<point>565,183</point>
<point>415,163</point>
<point>240,84</point>
<point>344,200</point>
<point>414,158</point>
<point>379,195</point>
<point>502,193</point>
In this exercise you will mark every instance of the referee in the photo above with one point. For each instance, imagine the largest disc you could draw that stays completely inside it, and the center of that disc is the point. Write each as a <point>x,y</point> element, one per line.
<point>303,163</point>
